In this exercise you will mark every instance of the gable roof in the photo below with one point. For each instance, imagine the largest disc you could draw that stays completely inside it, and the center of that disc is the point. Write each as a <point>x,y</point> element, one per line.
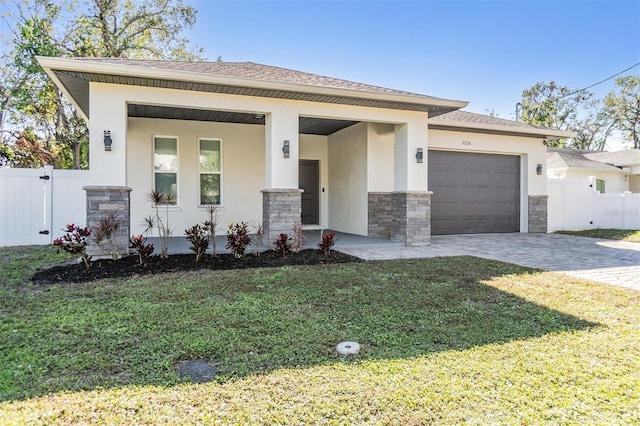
<point>627,157</point>
<point>564,158</point>
<point>469,121</point>
<point>73,75</point>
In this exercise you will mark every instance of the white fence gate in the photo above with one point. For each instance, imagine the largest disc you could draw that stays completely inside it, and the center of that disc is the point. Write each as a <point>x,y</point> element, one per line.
<point>35,204</point>
<point>575,204</point>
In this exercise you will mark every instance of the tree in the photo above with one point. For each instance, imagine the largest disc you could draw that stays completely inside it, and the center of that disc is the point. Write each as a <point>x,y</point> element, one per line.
<point>146,29</point>
<point>560,107</point>
<point>623,106</point>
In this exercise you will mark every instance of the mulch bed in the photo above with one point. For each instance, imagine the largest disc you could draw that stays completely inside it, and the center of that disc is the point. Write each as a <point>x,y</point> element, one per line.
<point>127,267</point>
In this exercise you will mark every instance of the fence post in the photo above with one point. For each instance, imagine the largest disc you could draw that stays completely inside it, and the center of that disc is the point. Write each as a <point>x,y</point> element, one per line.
<point>626,210</point>
<point>47,232</point>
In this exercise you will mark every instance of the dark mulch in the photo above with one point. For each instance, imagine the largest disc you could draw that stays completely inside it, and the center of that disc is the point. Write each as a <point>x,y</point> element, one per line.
<point>127,267</point>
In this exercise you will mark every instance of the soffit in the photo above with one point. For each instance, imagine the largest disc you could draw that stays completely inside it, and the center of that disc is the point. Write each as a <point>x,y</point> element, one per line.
<point>307,125</point>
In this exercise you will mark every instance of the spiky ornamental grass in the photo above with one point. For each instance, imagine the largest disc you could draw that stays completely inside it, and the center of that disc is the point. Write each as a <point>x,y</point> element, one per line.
<point>443,341</point>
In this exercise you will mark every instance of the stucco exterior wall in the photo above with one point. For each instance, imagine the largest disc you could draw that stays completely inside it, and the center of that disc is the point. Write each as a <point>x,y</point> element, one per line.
<point>380,151</point>
<point>532,152</point>
<point>634,183</point>
<point>348,180</point>
<point>242,170</point>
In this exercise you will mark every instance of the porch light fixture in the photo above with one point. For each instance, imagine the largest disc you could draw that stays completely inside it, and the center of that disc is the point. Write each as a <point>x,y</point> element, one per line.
<point>539,169</point>
<point>107,140</point>
<point>419,155</point>
<point>285,149</point>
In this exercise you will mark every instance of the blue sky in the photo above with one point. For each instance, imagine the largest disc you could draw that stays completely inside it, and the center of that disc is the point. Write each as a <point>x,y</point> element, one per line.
<point>484,52</point>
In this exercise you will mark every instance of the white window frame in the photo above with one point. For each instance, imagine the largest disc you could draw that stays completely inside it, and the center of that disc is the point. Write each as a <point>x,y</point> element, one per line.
<point>219,172</point>
<point>177,169</point>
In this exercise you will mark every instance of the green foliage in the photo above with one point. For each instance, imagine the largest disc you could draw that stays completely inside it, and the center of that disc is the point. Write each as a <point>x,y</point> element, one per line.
<point>607,234</point>
<point>443,341</point>
<point>156,221</point>
<point>75,241</point>
<point>197,236</point>
<point>238,238</point>
<point>623,105</point>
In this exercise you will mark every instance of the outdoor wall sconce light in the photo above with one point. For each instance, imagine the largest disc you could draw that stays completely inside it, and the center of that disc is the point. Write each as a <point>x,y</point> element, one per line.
<point>419,155</point>
<point>107,140</point>
<point>539,169</point>
<point>285,149</point>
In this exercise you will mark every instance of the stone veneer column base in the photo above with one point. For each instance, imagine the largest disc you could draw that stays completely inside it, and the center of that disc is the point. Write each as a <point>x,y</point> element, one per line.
<point>538,213</point>
<point>281,210</point>
<point>380,214</point>
<point>411,222</point>
<point>100,201</point>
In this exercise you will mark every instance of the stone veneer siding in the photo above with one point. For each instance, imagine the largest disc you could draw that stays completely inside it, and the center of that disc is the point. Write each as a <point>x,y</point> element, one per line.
<point>380,214</point>
<point>538,213</point>
<point>281,210</point>
<point>411,223</point>
<point>100,201</point>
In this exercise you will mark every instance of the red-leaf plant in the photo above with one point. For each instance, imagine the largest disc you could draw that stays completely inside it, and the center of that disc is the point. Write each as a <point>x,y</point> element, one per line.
<point>75,242</point>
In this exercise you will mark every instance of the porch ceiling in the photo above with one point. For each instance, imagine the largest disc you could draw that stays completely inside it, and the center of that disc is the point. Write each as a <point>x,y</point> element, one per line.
<point>307,125</point>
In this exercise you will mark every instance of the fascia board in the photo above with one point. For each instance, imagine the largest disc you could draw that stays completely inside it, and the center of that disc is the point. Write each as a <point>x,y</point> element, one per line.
<point>48,69</point>
<point>543,133</point>
<point>68,64</point>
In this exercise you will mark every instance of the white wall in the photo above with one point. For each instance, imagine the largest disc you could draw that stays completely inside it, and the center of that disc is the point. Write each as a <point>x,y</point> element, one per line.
<point>314,147</point>
<point>242,171</point>
<point>574,204</point>
<point>380,154</point>
<point>348,197</point>
<point>615,182</point>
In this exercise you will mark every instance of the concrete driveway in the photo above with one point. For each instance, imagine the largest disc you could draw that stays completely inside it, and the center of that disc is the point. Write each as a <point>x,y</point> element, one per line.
<point>611,262</point>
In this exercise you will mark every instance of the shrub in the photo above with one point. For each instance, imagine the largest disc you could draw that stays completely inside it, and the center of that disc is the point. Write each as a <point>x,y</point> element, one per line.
<point>75,242</point>
<point>237,239</point>
<point>197,236</point>
<point>259,232</point>
<point>143,250</point>
<point>155,220</point>
<point>298,238</point>
<point>105,234</point>
<point>327,241</point>
<point>211,225</point>
<point>283,245</point>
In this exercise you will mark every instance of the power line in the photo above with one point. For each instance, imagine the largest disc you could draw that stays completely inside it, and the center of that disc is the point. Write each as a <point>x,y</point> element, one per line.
<point>600,82</point>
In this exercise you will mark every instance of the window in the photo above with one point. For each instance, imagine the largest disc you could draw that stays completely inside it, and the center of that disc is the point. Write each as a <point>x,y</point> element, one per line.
<point>600,186</point>
<point>165,167</point>
<point>210,165</point>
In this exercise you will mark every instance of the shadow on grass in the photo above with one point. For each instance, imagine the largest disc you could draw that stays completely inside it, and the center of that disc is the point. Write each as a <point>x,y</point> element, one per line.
<point>134,332</point>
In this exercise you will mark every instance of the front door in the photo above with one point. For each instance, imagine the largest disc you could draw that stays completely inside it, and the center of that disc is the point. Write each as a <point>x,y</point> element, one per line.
<point>309,178</point>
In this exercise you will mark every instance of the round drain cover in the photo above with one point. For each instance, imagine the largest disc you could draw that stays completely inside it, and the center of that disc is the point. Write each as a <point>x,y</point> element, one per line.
<point>348,348</point>
<point>196,370</point>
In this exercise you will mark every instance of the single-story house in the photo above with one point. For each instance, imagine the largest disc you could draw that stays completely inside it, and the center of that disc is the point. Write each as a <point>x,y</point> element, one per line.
<point>615,172</point>
<point>285,147</point>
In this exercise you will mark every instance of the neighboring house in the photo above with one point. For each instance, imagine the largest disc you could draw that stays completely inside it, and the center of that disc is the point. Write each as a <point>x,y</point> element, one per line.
<point>249,137</point>
<point>615,172</point>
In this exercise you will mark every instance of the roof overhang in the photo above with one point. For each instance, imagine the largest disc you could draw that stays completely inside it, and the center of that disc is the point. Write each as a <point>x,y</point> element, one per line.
<point>73,76</point>
<point>531,132</point>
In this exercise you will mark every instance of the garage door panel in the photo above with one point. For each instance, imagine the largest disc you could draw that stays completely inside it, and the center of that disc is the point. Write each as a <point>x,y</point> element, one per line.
<point>474,193</point>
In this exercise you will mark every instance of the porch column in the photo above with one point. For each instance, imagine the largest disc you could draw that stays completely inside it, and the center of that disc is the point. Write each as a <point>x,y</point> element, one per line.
<point>411,201</point>
<point>281,199</point>
<point>101,201</point>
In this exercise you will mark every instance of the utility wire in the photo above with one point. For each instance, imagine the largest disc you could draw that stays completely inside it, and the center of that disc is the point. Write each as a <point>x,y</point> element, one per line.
<point>600,82</point>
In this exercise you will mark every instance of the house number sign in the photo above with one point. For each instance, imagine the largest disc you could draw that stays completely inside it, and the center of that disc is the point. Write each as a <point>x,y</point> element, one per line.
<point>466,142</point>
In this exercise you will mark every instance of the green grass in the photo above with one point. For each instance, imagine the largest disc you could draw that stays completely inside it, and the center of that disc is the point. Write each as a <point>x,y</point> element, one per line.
<point>607,234</point>
<point>444,341</point>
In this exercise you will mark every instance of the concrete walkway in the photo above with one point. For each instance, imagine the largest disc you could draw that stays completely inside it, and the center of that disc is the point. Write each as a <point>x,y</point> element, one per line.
<point>606,261</point>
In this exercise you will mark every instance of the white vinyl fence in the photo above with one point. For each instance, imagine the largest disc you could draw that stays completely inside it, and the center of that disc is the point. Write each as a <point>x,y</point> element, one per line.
<point>575,204</point>
<point>35,204</point>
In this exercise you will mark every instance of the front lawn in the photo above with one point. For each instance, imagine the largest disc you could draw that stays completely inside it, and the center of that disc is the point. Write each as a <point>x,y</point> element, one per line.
<point>443,341</point>
<point>607,234</point>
